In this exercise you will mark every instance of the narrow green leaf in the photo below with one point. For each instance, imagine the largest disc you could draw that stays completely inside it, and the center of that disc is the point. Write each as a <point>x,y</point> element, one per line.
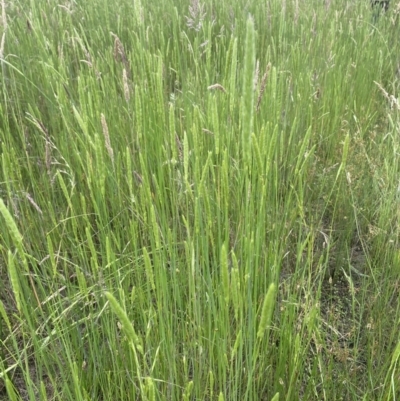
<point>11,390</point>
<point>276,397</point>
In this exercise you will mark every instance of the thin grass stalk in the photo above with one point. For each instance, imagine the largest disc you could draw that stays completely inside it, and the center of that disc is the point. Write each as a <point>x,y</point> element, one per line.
<point>125,83</point>
<point>149,269</point>
<point>138,115</point>
<point>215,121</point>
<point>232,81</point>
<point>225,276</point>
<point>92,248</point>
<point>5,26</point>
<point>172,133</point>
<point>247,92</point>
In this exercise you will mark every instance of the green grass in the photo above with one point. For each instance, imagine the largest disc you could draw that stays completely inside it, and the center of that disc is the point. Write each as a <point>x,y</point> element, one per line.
<point>199,201</point>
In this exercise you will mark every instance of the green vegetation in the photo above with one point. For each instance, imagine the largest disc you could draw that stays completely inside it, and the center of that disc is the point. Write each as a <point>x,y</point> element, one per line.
<point>199,201</point>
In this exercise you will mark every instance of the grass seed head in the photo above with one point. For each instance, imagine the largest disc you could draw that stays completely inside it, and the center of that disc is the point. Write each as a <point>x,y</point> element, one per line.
<point>196,15</point>
<point>217,87</point>
<point>263,85</point>
<point>107,137</point>
<point>119,51</point>
<point>267,309</point>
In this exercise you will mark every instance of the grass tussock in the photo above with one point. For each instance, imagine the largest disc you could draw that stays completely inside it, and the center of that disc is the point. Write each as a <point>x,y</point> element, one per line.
<point>199,201</point>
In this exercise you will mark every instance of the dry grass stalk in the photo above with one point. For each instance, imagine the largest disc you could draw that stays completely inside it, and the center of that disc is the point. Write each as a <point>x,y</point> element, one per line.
<point>107,137</point>
<point>48,157</point>
<point>207,131</point>
<point>386,94</point>
<point>217,86</point>
<point>256,74</point>
<point>392,99</point>
<point>88,57</point>
<point>33,203</point>
<point>263,85</point>
<point>67,8</point>
<point>60,52</point>
<point>179,146</point>
<point>138,177</point>
<point>127,93</point>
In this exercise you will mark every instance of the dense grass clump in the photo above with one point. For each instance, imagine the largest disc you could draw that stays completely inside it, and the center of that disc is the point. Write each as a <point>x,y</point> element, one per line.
<point>199,201</point>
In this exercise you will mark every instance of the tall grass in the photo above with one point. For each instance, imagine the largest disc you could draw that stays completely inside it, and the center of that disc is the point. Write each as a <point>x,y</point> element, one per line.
<point>199,200</point>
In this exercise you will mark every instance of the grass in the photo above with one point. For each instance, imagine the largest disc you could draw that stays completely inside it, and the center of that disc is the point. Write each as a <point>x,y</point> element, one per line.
<point>199,201</point>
